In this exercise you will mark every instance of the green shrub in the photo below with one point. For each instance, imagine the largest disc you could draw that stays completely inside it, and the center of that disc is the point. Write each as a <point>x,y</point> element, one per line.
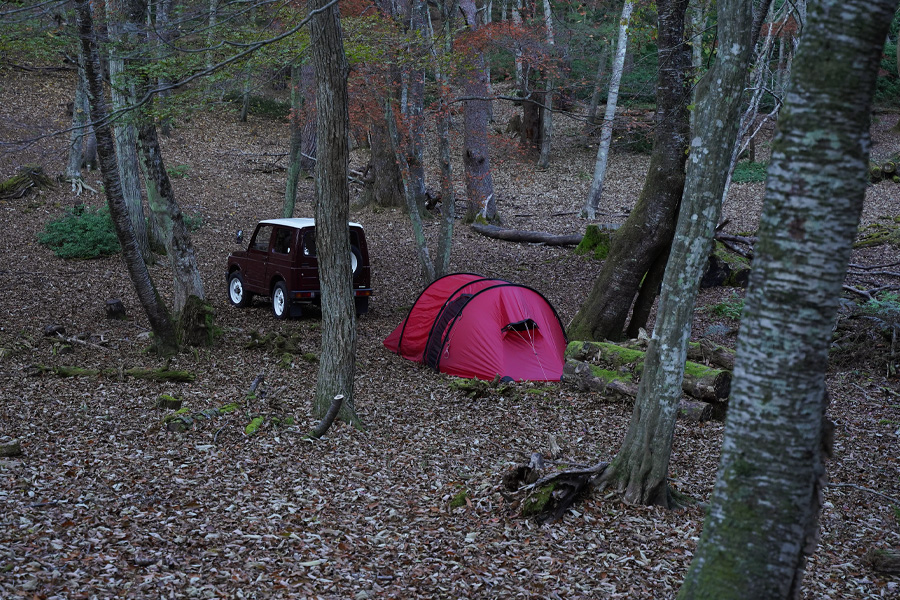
<point>884,309</point>
<point>262,106</point>
<point>192,222</point>
<point>749,172</point>
<point>178,171</point>
<point>731,308</point>
<point>81,233</point>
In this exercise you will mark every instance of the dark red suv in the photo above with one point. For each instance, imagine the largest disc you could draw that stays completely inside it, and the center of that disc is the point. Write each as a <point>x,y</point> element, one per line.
<point>281,263</point>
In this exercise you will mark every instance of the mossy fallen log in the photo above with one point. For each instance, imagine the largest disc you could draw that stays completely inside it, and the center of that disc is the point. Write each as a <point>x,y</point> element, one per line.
<point>706,351</point>
<point>29,177</point>
<point>887,231</point>
<point>884,560</point>
<point>618,363</point>
<point>725,268</point>
<point>160,374</point>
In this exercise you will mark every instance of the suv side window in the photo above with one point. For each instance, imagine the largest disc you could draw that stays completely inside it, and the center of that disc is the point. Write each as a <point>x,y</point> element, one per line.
<point>262,238</point>
<point>283,238</point>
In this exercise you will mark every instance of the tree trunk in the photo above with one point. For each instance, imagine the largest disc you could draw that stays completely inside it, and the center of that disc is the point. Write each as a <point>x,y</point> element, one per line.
<point>126,136</point>
<point>612,99</point>
<point>387,186</point>
<point>161,198</point>
<point>598,85</point>
<point>294,171</point>
<point>160,323</point>
<point>476,159</point>
<point>337,362</point>
<point>646,236</point>
<point>448,196</point>
<point>80,118</point>
<point>640,469</point>
<point>547,109</point>
<point>412,209</point>
<point>762,523</point>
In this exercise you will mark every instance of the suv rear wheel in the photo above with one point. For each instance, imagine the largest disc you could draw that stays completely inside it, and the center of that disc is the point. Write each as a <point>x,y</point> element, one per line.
<point>281,305</point>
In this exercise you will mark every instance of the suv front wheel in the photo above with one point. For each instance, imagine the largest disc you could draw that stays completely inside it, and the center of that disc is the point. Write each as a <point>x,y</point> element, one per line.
<point>237,294</point>
<point>281,305</point>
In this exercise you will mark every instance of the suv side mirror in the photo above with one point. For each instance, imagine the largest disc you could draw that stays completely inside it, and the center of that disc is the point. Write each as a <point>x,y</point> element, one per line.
<point>239,238</point>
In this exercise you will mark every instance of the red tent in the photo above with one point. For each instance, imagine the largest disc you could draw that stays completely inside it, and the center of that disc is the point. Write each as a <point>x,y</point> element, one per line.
<point>469,326</point>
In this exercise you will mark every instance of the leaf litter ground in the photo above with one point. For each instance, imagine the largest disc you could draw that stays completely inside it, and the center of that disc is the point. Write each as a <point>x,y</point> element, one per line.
<point>105,501</point>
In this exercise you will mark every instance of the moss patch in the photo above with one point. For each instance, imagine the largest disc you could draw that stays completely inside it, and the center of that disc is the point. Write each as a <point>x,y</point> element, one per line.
<point>878,234</point>
<point>254,425</point>
<point>595,241</point>
<point>537,501</point>
<point>459,499</point>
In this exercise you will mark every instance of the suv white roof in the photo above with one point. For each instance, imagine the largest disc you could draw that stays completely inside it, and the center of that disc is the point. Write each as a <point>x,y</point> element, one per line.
<point>298,222</point>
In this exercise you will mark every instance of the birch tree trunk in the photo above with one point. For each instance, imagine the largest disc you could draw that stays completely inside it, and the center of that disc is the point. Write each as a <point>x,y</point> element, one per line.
<point>641,466</point>
<point>337,363</point>
<point>476,158</point>
<point>640,248</point>
<point>160,323</point>
<point>547,110</point>
<point>762,524</point>
<point>593,200</point>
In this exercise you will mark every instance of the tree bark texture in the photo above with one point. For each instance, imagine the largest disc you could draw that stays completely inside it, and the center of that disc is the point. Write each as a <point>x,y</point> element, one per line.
<point>160,323</point>
<point>121,91</point>
<point>641,467</point>
<point>301,144</point>
<point>448,195</point>
<point>592,204</point>
<point>547,109</point>
<point>412,208</point>
<point>476,157</point>
<point>644,239</point>
<point>337,362</point>
<point>80,118</point>
<point>762,522</point>
<point>161,198</point>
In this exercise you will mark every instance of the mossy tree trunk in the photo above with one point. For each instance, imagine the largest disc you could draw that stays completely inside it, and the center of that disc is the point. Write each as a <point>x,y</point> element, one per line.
<point>644,239</point>
<point>763,518</point>
<point>640,469</point>
<point>161,198</point>
<point>337,362</point>
<point>163,329</point>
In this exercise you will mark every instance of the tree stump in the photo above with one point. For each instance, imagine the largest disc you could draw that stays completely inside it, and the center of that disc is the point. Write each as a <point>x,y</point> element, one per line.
<point>115,309</point>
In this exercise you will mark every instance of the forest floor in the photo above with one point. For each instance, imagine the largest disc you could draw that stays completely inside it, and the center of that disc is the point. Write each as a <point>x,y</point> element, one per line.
<point>105,502</point>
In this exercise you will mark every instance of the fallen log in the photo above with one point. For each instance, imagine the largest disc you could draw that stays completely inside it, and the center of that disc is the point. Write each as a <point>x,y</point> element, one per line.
<point>700,381</point>
<point>706,351</point>
<point>884,560</point>
<point>527,237</point>
<point>160,374</point>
